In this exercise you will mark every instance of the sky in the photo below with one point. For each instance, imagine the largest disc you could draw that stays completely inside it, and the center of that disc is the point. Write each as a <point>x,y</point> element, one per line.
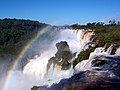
<point>60,12</point>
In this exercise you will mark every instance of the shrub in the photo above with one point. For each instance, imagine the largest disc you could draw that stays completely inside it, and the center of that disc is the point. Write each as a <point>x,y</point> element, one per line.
<point>66,65</point>
<point>34,88</point>
<point>65,55</point>
<point>83,55</point>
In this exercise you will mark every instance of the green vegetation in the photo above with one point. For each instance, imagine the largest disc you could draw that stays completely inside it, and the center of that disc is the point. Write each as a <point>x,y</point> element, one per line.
<point>65,55</point>
<point>10,40</point>
<point>34,88</point>
<point>66,65</point>
<point>83,55</point>
<point>62,57</point>
<point>20,24</point>
<point>14,33</point>
<point>104,33</point>
<point>107,34</point>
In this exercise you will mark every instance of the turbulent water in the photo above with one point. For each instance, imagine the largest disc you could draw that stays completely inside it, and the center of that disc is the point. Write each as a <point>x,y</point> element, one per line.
<point>86,64</point>
<point>99,72</point>
<point>37,67</point>
<point>35,71</point>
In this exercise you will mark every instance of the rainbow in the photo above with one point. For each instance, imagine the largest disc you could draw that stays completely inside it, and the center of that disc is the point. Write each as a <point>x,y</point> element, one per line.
<point>19,57</point>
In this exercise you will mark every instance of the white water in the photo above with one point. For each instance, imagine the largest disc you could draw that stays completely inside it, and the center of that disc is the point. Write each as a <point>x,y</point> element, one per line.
<point>34,73</point>
<point>36,68</point>
<point>86,64</point>
<point>117,51</point>
<point>54,75</point>
<point>83,66</point>
<point>100,51</point>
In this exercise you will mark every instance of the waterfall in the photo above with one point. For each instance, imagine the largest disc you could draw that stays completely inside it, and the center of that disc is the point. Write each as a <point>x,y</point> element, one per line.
<point>36,69</point>
<point>85,38</point>
<point>101,51</point>
<point>117,51</point>
<point>83,66</point>
<point>77,39</point>
<point>98,52</point>
<point>109,50</point>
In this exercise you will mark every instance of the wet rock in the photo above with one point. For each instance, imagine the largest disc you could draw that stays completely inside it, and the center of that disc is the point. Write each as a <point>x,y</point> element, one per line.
<point>115,46</point>
<point>92,80</point>
<point>62,57</point>
<point>50,61</point>
<point>114,65</point>
<point>98,63</point>
<point>107,78</point>
<point>62,46</point>
<point>66,65</point>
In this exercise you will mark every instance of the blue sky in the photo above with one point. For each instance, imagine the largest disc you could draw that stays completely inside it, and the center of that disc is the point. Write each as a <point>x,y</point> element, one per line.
<point>61,11</point>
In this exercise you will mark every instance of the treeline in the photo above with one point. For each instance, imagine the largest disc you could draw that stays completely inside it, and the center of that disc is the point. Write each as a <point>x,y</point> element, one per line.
<point>14,33</point>
<point>20,24</point>
<point>104,33</point>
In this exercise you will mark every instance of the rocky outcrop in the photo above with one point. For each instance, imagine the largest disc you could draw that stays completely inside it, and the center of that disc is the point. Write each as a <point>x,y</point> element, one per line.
<point>62,46</point>
<point>116,45</point>
<point>62,57</point>
<point>107,77</point>
<point>98,63</point>
<point>92,80</point>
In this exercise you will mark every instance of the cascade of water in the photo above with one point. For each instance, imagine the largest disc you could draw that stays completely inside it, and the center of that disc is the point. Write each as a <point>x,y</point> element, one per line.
<point>109,50</point>
<point>55,74</point>
<point>117,51</point>
<point>83,66</point>
<point>77,39</point>
<point>85,38</point>
<point>37,68</point>
<point>86,64</point>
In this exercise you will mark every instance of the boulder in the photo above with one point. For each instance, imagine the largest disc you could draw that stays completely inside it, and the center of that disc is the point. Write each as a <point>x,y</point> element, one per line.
<point>62,46</point>
<point>98,62</point>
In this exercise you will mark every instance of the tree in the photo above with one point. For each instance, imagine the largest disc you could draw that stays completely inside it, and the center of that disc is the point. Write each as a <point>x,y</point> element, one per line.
<point>112,22</point>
